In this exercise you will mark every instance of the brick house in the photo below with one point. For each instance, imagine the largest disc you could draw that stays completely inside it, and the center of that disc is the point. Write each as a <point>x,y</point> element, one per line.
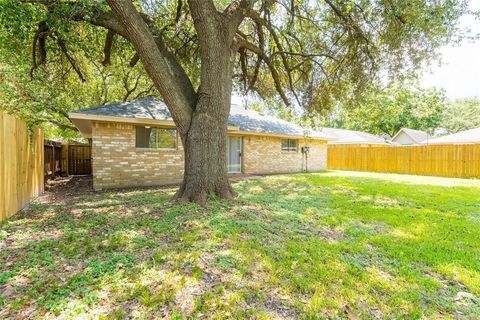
<point>135,143</point>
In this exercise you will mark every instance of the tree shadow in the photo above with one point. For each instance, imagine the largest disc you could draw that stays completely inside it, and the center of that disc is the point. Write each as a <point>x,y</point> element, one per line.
<point>291,246</point>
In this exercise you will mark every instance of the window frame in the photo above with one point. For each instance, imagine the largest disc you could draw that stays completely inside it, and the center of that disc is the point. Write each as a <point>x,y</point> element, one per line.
<point>290,148</point>
<point>157,128</point>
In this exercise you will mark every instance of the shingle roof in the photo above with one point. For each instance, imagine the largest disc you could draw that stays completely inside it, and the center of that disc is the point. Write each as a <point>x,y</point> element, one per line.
<point>146,108</point>
<point>246,120</point>
<point>345,136</point>
<point>468,136</point>
<point>253,121</point>
<point>416,135</point>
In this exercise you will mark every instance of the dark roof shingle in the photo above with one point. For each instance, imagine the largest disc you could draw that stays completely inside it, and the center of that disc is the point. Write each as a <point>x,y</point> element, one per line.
<point>246,120</point>
<point>146,108</point>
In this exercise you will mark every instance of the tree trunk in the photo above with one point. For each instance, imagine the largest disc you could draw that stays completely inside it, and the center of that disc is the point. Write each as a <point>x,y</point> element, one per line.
<point>205,154</point>
<point>205,144</point>
<point>201,117</point>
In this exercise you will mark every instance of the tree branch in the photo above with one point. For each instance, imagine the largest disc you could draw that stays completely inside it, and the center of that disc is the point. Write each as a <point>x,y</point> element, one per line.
<point>234,13</point>
<point>205,17</point>
<point>38,46</point>
<point>161,65</point>
<point>107,49</point>
<point>267,24</point>
<point>273,71</point>
<point>73,63</point>
<point>134,60</point>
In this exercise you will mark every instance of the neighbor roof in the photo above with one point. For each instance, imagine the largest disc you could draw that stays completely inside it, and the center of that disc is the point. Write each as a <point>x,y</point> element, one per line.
<point>154,109</point>
<point>468,136</point>
<point>416,135</point>
<point>345,136</point>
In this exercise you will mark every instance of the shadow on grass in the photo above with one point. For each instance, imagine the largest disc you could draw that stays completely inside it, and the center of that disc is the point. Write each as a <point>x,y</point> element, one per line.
<point>292,246</point>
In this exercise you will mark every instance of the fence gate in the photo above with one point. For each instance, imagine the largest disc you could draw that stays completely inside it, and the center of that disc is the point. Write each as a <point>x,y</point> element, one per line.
<point>79,159</point>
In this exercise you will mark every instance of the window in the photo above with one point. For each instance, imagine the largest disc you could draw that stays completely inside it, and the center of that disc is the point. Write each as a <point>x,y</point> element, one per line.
<point>155,138</point>
<point>289,145</point>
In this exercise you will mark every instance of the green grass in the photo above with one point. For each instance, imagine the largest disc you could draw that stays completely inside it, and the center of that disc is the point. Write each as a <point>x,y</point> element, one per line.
<point>310,246</point>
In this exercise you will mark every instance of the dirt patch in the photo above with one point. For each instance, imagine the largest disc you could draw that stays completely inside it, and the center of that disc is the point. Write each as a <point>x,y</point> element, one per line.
<point>62,190</point>
<point>332,235</point>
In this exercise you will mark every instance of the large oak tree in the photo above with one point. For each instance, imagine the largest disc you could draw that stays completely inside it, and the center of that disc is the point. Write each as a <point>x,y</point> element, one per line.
<point>306,52</point>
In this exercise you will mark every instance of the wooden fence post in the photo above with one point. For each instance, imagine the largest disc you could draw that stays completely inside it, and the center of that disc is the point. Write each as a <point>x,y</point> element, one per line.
<point>64,158</point>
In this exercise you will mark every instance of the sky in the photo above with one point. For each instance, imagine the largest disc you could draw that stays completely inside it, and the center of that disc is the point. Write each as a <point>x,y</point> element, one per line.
<point>459,72</point>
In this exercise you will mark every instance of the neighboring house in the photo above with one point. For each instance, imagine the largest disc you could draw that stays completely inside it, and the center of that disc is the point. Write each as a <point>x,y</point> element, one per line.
<point>406,136</point>
<point>344,136</point>
<point>468,136</point>
<point>136,144</point>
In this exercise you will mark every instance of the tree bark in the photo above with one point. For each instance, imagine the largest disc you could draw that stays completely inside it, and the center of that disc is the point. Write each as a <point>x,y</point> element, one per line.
<point>205,153</point>
<point>205,144</point>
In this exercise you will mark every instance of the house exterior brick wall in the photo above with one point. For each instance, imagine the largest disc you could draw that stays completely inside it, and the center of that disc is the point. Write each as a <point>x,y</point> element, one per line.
<point>264,155</point>
<point>116,162</point>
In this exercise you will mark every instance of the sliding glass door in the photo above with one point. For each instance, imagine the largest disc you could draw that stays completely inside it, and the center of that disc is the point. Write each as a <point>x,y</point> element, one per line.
<point>234,154</point>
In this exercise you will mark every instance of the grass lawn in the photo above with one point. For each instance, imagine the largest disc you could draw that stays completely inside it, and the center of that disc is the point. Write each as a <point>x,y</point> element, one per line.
<point>309,246</point>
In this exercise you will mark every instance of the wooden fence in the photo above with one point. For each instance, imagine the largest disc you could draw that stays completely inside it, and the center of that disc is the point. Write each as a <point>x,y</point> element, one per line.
<point>448,160</point>
<point>66,158</point>
<point>21,164</point>
<point>77,159</point>
<point>52,165</point>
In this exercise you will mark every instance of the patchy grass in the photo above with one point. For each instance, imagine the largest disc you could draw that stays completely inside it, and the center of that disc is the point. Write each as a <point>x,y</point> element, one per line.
<point>328,245</point>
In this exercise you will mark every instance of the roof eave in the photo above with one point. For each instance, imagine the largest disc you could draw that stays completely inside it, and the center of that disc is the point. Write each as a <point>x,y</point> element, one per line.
<point>449,142</point>
<point>361,142</point>
<point>277,135</point>
<point>79,120</point>
<point>104,118</point>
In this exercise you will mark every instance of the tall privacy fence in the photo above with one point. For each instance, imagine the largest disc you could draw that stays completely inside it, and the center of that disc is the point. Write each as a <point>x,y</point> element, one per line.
<point>448,160</point>
<point>52,163</point>
<point>67,158</point>
<point>21,164</point>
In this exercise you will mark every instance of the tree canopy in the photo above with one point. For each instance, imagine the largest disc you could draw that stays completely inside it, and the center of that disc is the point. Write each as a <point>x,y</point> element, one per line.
<point>43,93</point>
<point>387,110</point>
<point>309,53</point>
<point>461,114</point>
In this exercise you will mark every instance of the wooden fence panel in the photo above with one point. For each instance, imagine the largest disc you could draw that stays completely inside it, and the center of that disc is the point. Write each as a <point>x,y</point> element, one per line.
<point>448,160</point>
<point>79,159</point>
<point>21,164</point>
<point>52,155</point>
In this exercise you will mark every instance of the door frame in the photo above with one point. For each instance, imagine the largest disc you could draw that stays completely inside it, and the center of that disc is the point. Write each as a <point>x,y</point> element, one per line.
<point>240,157</point>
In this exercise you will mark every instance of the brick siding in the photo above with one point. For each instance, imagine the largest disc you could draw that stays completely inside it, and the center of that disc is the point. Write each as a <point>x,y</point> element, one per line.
<point>264,155</point>
<point>116,162</point>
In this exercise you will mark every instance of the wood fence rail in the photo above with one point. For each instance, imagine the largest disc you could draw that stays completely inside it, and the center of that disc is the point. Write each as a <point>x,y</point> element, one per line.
<point>21,164</point>
<point>448,160</point>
